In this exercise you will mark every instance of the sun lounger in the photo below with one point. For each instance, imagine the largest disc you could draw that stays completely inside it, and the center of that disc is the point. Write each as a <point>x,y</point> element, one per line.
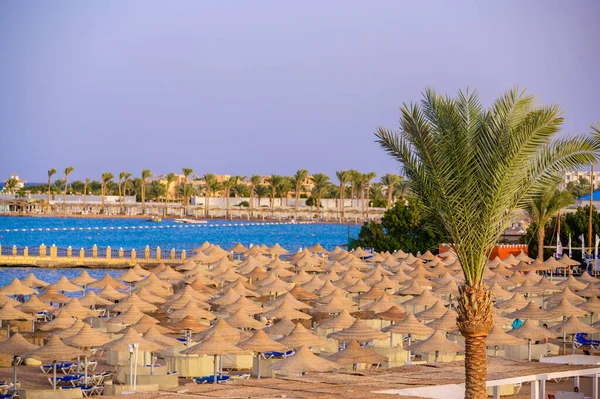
<point>211,378</point>
<point>244,376</point>
<point>271,355</point>
<point>580,340</point>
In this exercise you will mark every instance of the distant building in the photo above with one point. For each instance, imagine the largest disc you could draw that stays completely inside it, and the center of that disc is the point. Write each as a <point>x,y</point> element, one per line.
<point>20,182</point>
<point>574,176</point>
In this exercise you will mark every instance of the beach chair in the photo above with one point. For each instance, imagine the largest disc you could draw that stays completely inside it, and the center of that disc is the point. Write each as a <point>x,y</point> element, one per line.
<point>66,368</point>
<point>46,368</point>
<point>209,379</point>
<point>580,340</point>
<point>243,376</point>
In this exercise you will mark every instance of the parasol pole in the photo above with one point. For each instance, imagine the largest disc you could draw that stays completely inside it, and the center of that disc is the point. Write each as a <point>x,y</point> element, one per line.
<point>529,349</point>
<point>258,368</point>
<point>54,375</point>
<point>15,371</point>
<point>215,371</point>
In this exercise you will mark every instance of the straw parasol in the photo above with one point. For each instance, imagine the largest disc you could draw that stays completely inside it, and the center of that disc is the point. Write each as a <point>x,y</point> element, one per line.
<point>591,290</point>
<point>111,294</point>
<point>358,331</point>
<point>191,309</point>
<point>498,337</point>
<point>129,317</point>
<point>4,300</point>
<point>339,322</point>
<point>393,314</point>
<point>281,328</point>
<point>70,331</point>
<point>240,319</point>
<point>34,305</point>
<point>244,304</point>
<point>83,279</point>
<point>130,276</point>
<point>564,309</point>
<point>303,361</point>
<point>141,271</point>
<point>301,336</point>
<point>214,345</point>
<point>188,323</point>
<point>301,294</point>
<point>259,343</point>
<point>591,306</point>
<point>61,321</point>
<point>231,334</point>
<point>353,354</point>
<point>566,293</point>
<point>427,298</point>
<point>105,281</point>
<point>154,335</point>
<point>437,342</point>
<point>517,301</point>
<point>573,326</point>
<point>64,285</point>
<point>54,350</point>
<point>87,337</point>
<point>15,346</point>
<point>144,325</point>
<point>8,312</point>
<point>290,300</point>
<point>531,331</point>
<point>531,311</point>
<point>130,337</point>
<point>16,287</point>
<point>572,283</point>
<point>91,300</point>
<point>76,309</point>
<point>32,281</point>
<point>447,322</point>
<point>133,299</point>
<point>286,309</point>
<point>436,311</point>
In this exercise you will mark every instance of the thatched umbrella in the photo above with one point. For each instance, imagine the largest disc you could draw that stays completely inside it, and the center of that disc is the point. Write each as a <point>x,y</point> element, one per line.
<point>281,328</point>
<point>133,299</point>
<point>301,336</point>
<point>517,301</point>
<point>240,319</point>
<point>83,279</point>
<point>290,300</point>
<point>15,346</point>
<point>573,326</point>
<point>286,309</point>
<point>130,276</point>
<point>86,338</point>
<point>301,294</point>
<point>8,312</point>
<point>132,337</point>
<point>339,322</point>
<point>59,322</point>
<point>409,326</point>
<point>498,337</point>
<point>214,345</point>
<point>91,300</point>
<point>591,306</point>
<point>358,331</point>
<point>16,287</point>
<point>447,322</point>
<point>591,290</point>
<point>107,281</point>
<point>154,335</point>
<point>393,314</point>
<point>437,342</point>
<point>567,294</point>
<point>51,352</point>
<point>129,317</point>
<point>76,309</point>
<point>531,311</point>
<point>354,354</point>
<point>64,285</point>
<point>188,323</point>
<point>32,281</point>
<point>564,309</point>
<point>34,306</point>
<point>111,294</point>
<point>572,283</point>
<point>245,304</point>
<point>436,311</point>
<point>141,271</point>
<point>531,331</point>
<point>303,361</point>
<point>231,334</point>
<point>260,343</point>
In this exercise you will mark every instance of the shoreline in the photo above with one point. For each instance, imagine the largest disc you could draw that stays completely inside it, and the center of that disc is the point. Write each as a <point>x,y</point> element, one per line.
<point>234,220</point>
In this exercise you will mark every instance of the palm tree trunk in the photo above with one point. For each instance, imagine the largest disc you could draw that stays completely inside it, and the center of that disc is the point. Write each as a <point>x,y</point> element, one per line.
<point>143,197</point>
<point>103,192</point>
<point>541,236</point>
<point>207,205</point>
<point>227,203</point>
<point>475,320</point>
<point>251,200</point>
<point>341,201</point>
<point>49,183</point>
<point>65,194</point>
<point>84,194</point>
<point>297,198</point>
<point>390,192</point>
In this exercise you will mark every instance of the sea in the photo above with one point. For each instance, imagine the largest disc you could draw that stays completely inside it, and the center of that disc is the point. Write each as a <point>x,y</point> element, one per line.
<point>137,233</point>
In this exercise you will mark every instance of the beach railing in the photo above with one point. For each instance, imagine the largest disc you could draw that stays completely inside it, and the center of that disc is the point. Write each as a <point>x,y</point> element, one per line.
<point>87,256</point>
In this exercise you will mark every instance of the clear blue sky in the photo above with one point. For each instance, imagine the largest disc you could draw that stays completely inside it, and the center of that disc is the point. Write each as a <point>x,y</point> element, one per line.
<point>260,87</point>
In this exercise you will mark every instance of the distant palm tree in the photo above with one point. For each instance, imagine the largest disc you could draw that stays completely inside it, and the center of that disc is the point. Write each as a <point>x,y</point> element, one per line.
<point>254,182</point>
<point>210,182</point>
<point>68,171</point>
<point>144,179</point>
<point>261,191</point>
<point>228,184</point>
<point>273,181</point>
<point>186,174</point>
<point>282,189</point>
<point>368,177</point>
<point>10,185</point>
<point>106,178</point>
<point>171,178</point>
<point>320,182</point>
<point>343,176</point>
<point>51,172</point>
<point>390,180</point>
<point>85,189</point>
<point>121,196</point>
<point>355,175</point>
<point>543,208</point>
<point>298,180</point>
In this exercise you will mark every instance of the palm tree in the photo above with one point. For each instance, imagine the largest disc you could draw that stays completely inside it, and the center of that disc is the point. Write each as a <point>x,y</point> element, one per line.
<point>355,184</point>
<point>297,181</point>
<point>68,171</point>
<point>171,178</point>
<point>367,185</point>
<point>211,184</point>
<point>471,168</point>
<point>343,176</point>
<point>273,181</point>
<point>282,189</point>
<point>390,180</point>
<point>186,174</point>
<point>106,178</point>
<point>320,182</point>
<point>85,188</point>
<point>254,182</point>
<point>121,197</point>
<point>402,188</point>
<point>51,172</point>
<point>227,185</point>
<point>144,179</point>
<point>261,192</point>
<point>542,208</point>
<point>10,185</point>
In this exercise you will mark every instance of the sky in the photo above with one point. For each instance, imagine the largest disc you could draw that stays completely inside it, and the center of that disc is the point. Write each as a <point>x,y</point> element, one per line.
<point>262,87</point>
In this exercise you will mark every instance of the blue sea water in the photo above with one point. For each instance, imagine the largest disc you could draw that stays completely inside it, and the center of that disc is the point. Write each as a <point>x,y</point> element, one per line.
<point>137,233</point>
